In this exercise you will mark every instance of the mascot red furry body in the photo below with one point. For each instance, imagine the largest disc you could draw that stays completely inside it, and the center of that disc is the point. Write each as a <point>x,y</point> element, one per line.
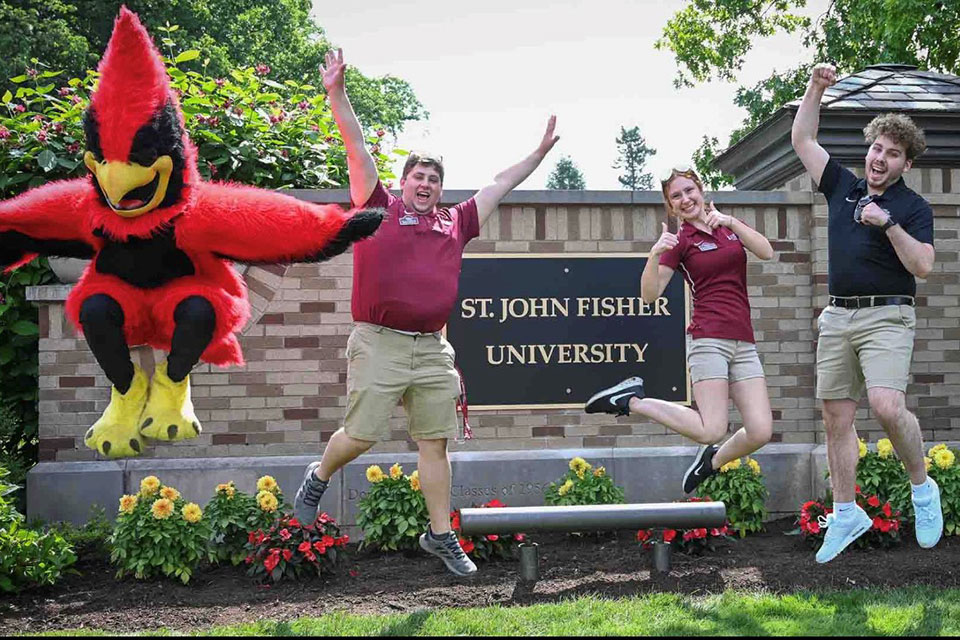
<point>161,243</point>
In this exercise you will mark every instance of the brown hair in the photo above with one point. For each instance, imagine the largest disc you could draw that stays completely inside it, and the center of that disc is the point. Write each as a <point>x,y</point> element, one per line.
<point>424,160</point>
<point>686,172</point>
<point>899,128</point>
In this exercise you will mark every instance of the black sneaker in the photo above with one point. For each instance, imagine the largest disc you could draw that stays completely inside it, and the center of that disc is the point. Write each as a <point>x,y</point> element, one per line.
<point>701,469</point>
<point>308,496</point>
<point>616,399</point>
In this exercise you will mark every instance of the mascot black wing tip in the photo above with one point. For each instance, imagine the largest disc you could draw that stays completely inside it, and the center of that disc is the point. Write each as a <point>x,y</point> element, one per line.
<point>362,225</point>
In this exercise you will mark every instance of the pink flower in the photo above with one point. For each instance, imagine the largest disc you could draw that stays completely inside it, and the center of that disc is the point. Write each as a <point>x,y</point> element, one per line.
<point>493,538</point>
<point>19,108</point>
<point>220,82</point>
<point>284,534</point>
<point>304,547</point>
<point>381,133</point>
<point>262,69</point>
<point>519,537</point>
<point>75,99</point>
<point>32,73</point>
<point>64,91</point>
<point>303,105</point>
<point>4,132</point>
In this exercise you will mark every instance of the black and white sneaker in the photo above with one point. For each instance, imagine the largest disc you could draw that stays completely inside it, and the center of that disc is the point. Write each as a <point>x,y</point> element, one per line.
<point>616,399</point>
<point>308,496</point>
<point>701,469</point>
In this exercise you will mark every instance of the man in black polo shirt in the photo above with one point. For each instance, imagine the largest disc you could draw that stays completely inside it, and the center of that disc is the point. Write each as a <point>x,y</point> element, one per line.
<point>880,239</point>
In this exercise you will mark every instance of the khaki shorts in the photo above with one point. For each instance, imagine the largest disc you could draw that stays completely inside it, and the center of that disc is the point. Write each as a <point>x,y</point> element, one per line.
<point>385,367</point>
<point>871,346</point>
<point>732,360</point>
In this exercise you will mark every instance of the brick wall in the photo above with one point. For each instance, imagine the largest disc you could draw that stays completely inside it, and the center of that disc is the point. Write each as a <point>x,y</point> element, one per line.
<point>290,396</point>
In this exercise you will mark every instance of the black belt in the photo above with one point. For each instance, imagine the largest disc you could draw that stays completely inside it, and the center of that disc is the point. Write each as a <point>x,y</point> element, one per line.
<point>862,302</point>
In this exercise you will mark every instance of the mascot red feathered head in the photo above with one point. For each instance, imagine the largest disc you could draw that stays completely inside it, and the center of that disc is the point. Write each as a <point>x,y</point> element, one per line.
<point>142,161</point>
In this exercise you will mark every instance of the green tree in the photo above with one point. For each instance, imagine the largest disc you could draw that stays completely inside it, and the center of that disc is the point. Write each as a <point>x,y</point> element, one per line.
<point>710,40</point>
<point>71,35</point>
<point>632,154</point>
<point>566,175</point>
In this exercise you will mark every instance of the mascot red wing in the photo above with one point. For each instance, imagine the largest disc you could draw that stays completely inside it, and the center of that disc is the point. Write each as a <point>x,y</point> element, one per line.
<point>161,243</point>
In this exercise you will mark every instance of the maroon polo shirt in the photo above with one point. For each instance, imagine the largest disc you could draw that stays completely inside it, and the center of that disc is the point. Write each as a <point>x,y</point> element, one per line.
<point>715,266</point>
<point>405,277</point>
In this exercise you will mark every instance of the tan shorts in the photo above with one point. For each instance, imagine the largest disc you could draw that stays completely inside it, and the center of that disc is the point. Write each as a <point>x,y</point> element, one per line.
<point>385,367</point>
<point>732,360</point>
<point>871,346</point>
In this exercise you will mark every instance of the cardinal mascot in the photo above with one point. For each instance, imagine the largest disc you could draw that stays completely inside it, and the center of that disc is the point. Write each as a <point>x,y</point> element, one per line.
<point>161,243</point>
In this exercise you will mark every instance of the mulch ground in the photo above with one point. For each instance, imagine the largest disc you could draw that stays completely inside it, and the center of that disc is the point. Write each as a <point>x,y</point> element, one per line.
<point>370,582</point>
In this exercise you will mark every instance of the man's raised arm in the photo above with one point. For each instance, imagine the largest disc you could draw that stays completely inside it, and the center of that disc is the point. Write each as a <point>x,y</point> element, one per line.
<point>360,165</point>
<point>490,196</point>
<point>807,122</point>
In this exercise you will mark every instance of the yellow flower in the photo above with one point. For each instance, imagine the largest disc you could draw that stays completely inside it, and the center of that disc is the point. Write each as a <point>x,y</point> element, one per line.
<point>884,447</point>
<point>933,451</point>
<point>169,493</point>
<point>733,464</point>
<point>128,503</point>
<point>565,487</point>
<point>926,463</point>
<point>415,480</point>
<point>228,489</point>
<point>192,512</point>
<point>267,501</point>
<point>862,446</point>
<point>396,471</point>
<point>162,509</point>
<point>267,483</point>
<point>944,458</point>
<point>599,472</point>
<point>374,474</point>
<point>753,464</point>
<point>578,465</point>
<point>149,485</point>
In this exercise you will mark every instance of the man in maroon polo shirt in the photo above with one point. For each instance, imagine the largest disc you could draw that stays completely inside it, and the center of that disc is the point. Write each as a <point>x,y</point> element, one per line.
<point>404,287</point>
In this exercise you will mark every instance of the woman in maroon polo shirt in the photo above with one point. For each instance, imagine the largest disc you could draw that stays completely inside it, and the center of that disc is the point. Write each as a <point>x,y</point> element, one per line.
<point>709,248</point>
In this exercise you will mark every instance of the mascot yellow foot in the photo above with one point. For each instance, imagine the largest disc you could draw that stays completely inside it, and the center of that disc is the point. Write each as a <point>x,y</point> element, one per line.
<point>115,434</point>
<point>169,411</point>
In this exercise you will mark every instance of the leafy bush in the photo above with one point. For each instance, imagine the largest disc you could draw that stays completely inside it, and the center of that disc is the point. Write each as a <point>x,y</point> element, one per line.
<point>233,514</point>
<point>583,484</point>
<point>943,467</point>
<point>289,549</point>
<point>28,557</point>
<point>690,541</point>
<point>157,531</point>
<point>89,538</point>
<point>741,488</point>
<point>490,545</point>
<point>393,513</point>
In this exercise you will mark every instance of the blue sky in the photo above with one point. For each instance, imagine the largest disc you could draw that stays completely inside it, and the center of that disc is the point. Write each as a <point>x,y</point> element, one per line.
<point>490,73</point>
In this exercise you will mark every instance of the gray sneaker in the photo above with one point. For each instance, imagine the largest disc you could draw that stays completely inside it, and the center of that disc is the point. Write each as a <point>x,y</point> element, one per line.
<point>308,496</point>
<point>447,548</point>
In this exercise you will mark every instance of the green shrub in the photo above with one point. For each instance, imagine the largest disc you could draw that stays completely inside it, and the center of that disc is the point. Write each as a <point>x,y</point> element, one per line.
<point>91,537</point>
<point>27,557</point>
<point>583,484</point>
<point>233,514</point>
<point>393,514</point>
<point>741,488</point>
<point>158,532</point>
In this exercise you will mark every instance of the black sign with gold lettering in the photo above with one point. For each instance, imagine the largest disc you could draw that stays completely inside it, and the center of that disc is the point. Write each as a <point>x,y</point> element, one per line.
<point>549,331</point>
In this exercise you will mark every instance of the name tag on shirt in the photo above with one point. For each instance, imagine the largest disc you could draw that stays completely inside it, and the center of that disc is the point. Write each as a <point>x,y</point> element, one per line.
<point>732,236</point>
<point>707,246</point>
<point>407,220</point>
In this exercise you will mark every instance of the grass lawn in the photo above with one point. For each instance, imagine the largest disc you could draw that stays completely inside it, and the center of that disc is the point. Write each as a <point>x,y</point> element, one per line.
<point>913,611</point>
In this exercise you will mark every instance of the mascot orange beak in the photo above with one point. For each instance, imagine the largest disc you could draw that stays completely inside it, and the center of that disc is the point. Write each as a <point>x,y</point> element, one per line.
<point>131,189</point>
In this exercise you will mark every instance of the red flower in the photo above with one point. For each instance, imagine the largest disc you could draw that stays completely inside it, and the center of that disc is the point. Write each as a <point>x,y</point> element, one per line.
<point>271,562</point>
<point>309,555</point>
<point>873,501</point>
<point>466,545</point>
<point>857,488</point>
<point>304,547</point>
<point>519,537</point>
<point>343,540</point>
<point>494,503</point>
<point>688,535</point>
<point>249,560</point>
<point>814,527</point>
<point>353,573</point>
<point>877,522</point>
<point>493,538</point>
<point>320,547</point>
<point>669,535</point>
<point>293,522</point>
<point>252,537</point>
<point>455,520</point>
<point>895,524</point>
<point>885,526</point>
<point>327,541</point>
<point>887,511</point>
<point>284,534</point>
<point>287,554</point>
<point>809,504</point>
<point>324,518</point>
<point>643,535</point>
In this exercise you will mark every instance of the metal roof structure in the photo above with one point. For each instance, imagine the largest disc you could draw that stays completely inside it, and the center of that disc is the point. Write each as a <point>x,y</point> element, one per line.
<point>764,158</point>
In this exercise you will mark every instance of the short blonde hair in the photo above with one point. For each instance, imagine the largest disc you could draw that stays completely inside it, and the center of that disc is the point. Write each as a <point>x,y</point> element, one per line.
<point>899,128</point>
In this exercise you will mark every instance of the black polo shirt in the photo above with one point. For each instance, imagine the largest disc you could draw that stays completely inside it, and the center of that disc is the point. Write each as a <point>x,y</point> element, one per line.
<point>862,260</point>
